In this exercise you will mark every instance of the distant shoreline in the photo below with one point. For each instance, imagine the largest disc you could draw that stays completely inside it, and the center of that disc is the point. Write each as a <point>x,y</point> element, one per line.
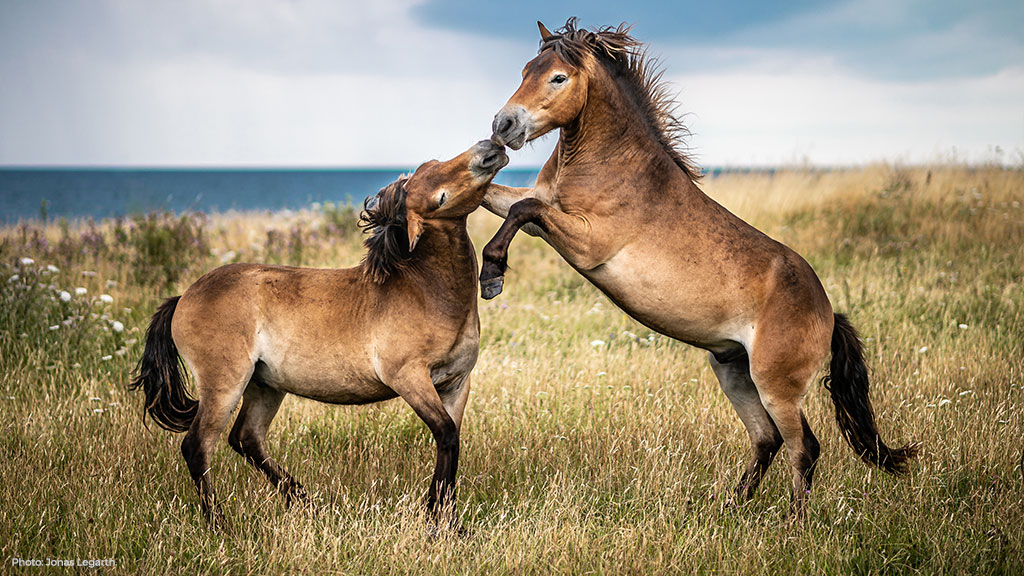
<point>96,192</point>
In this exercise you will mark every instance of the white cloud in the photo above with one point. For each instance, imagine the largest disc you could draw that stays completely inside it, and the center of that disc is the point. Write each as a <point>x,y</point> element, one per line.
<point>363,83</point>
<point>824,115</point>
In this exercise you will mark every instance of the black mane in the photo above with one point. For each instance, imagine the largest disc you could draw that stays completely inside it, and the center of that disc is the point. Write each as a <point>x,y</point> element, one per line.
<point>616,48</point>
<point>387,246</point>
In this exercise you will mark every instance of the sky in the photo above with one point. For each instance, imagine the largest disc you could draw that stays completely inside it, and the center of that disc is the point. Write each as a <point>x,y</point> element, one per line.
<point>364,83</point>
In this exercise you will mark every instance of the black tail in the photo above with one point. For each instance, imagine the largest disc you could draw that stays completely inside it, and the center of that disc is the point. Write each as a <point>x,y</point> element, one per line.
<point>159,374</point>
<point>847,380</point>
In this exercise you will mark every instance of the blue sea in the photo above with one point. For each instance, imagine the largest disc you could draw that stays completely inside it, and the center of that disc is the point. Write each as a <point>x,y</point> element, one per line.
<point>110,192</point>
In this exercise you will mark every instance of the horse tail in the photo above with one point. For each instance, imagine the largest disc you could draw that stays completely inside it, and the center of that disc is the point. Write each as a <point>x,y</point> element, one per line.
<point>847,381</point>
<point>160,376</point>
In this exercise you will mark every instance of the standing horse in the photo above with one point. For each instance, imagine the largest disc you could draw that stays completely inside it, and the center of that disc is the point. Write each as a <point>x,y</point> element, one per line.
<point>403,323</point>
<point>618,200</point>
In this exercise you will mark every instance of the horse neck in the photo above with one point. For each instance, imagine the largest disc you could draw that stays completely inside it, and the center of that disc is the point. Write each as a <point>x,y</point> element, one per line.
<point>611,129</point>
<point>447,261</point>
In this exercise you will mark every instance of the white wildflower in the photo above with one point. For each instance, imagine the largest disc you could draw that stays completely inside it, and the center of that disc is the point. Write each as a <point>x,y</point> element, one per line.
<point>117,326</point>
<point>65,296</point>
<point>95,399</point>
<point>97,410</point>
<point>106,298</point>
<point>111,283</point>
<point>922,350</point>
<point>107,357</point>
<point>52,269</point>
<point>27,261</point>
<point>944,401</point>
<point>88,273</point>
<point>55,327</point>
<point>962,326</point>
<point>81,291</point>
<point>13,279</point>
<point>597,343</point>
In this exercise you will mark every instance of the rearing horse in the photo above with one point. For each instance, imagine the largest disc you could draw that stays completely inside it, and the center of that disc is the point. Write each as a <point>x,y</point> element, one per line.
<point>618,200</point>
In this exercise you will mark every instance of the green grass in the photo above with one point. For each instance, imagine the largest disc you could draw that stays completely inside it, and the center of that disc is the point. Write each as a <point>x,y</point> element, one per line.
<point>577,457</point>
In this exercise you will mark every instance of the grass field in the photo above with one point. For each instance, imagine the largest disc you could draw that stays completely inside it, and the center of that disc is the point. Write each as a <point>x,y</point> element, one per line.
<point>590,444</point>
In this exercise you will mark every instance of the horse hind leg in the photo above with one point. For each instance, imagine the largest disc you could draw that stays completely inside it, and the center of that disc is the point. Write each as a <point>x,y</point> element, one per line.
<point>782,398</point>
<point>220,389</point>
<point>248,437</point>
<point>765,439</point>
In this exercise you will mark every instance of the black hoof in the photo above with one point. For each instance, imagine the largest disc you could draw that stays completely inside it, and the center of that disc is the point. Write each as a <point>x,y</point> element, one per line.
<point>491,287</point>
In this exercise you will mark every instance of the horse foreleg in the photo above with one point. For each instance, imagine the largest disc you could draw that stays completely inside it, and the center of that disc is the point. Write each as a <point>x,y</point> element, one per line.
<point>417,389</point>
<point>571,235</point>
<point>499,199</point>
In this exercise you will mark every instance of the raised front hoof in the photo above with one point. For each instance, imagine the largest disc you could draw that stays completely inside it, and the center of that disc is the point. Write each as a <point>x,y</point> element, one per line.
<point>491,287</point>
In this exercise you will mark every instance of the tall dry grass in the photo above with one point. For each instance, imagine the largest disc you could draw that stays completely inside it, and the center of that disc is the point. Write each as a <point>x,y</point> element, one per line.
<point>591,445</point>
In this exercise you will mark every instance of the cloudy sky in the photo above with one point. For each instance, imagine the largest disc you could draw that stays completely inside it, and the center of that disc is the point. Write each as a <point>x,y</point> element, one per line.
<point>395,82</point>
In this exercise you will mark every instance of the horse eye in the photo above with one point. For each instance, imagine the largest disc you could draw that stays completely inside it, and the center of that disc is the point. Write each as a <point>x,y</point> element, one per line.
<point>559,78</point>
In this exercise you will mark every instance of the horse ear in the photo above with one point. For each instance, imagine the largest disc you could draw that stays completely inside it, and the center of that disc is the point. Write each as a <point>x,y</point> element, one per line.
<point>414,229</point>
<point>544,32</point>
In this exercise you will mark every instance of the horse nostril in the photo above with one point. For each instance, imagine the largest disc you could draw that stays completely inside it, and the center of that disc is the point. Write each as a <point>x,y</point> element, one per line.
<point>506,126</point>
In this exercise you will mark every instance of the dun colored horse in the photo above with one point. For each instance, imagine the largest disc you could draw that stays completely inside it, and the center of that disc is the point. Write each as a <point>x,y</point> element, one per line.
<point>403,323</point>
<point>619,202</point>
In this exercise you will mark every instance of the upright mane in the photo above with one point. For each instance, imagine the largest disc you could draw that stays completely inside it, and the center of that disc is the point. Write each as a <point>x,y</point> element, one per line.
<point>387,246</point>
<point>617,49</point>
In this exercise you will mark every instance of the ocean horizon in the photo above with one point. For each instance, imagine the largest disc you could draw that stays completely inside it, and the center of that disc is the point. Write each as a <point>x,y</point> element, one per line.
<point>111,192</point>
<point>32,193</point>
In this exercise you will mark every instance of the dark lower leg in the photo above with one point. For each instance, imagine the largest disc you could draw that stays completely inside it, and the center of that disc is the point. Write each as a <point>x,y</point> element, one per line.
<point>198,461</point>
<point>495,253</point>
<point>442,485</point>
<point>248,437</point>
<point>255,453</point>
<point>765,450</point>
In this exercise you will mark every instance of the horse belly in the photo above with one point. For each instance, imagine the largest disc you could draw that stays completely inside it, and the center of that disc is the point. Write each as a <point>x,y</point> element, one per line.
<point>331,381</point>
<point>673,302</point>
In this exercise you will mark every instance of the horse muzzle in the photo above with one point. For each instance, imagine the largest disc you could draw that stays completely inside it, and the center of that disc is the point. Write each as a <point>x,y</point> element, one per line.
<point>510,127</point>
<point>490,157</point>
